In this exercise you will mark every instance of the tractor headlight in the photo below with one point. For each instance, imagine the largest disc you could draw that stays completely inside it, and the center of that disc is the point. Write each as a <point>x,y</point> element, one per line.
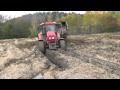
<point>49,37</point>
<point>53,38</point>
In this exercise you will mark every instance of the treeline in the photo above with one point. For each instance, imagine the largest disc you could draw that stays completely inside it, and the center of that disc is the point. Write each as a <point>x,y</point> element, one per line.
<point>90,22</point>
<point>93,22</point>
<point>26,25</point>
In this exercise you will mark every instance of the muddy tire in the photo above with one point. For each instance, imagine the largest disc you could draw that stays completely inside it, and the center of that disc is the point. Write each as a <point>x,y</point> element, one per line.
<point>63,44</point>
<point>41,47</point>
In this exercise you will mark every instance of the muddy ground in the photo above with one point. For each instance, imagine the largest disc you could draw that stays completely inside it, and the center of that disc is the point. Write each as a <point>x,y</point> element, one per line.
<point>94,56</point>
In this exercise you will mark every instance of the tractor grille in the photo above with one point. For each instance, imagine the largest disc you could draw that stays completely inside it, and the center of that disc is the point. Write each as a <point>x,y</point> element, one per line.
<point>52,41</point>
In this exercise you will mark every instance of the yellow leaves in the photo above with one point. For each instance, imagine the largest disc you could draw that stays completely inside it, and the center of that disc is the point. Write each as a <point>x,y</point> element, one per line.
<point>71,19</point>
<point>93,17</point>
<point>49,17</point>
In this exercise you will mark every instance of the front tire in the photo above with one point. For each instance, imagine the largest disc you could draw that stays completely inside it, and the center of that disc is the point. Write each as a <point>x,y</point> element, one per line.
<point>63,44</point>
<point>42,47</point>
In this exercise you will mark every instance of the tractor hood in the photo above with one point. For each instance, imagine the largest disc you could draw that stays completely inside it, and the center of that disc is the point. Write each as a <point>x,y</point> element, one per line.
<point>51,33</point>
<point>51,36</point>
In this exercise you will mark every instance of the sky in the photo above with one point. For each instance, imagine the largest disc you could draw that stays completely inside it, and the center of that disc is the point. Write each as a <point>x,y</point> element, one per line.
<point>13,14</point>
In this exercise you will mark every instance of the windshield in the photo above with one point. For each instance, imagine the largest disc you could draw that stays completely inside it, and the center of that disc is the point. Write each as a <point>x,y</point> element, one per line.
<point>50,28</point>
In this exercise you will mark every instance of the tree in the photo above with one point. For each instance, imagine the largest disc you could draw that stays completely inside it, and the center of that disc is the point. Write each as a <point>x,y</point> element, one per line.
<point>33,28</point>
<point>117,16</point>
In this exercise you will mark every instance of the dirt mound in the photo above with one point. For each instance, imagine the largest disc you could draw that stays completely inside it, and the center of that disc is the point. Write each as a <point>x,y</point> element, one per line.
<point>20,59</point>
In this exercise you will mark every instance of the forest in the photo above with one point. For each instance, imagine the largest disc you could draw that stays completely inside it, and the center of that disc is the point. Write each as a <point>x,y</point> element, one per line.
<point>88,23</point>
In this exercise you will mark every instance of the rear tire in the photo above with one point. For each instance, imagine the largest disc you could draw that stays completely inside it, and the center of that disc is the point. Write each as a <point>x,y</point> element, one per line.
<point>41,47</point>
<point>63,44</point>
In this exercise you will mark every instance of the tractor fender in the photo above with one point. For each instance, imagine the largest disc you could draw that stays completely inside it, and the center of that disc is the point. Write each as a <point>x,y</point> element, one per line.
<point>61,38</point>
<point>58,35</point>
<point>40,40</point>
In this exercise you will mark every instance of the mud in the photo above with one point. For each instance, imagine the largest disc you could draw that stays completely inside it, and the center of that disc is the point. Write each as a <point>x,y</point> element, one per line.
<point>87,57</point>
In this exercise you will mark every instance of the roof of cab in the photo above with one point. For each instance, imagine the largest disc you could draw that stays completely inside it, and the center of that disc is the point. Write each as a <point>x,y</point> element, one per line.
<point>47,23</point>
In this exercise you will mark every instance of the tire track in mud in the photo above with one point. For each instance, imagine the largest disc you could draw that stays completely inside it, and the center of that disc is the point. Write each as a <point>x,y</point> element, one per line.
<point>55,58</point>
<point>111,67</point>
<point>67,63</point>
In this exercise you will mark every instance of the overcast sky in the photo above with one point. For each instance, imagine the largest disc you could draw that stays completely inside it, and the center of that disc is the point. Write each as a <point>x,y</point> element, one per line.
<point>20,13</point>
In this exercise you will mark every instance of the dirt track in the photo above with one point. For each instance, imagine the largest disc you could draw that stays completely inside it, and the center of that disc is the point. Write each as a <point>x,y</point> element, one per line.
<point>87,57</point>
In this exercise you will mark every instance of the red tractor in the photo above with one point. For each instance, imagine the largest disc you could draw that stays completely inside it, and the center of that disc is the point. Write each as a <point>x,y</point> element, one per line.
<point>52,36</point>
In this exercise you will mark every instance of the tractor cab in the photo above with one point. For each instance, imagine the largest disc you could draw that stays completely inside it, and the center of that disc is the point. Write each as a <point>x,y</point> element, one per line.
<point>51,27</point>
<point>48,26</point>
